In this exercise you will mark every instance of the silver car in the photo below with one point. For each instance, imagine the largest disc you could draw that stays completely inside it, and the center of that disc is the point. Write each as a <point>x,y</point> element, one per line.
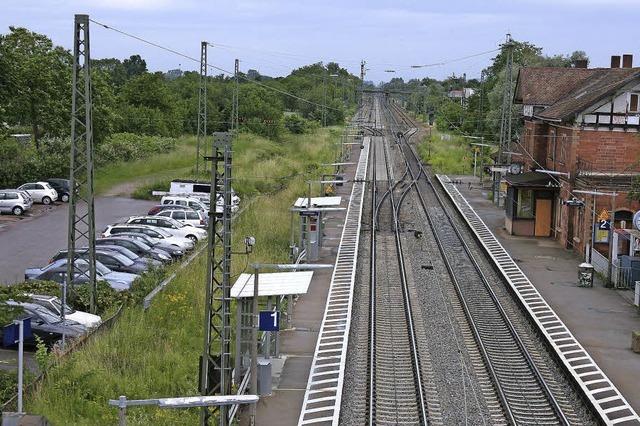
<point>41,192</point>
<point>14,201</point>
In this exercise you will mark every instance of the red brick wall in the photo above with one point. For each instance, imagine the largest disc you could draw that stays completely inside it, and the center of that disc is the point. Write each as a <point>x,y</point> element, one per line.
<point>533,141</point>
<point>608,150</point>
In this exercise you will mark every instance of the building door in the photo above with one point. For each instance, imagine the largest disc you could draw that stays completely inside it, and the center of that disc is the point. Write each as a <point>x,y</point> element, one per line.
<point>543,218</point>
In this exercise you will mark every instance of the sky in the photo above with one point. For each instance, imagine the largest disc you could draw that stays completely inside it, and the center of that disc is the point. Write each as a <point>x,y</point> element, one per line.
<point>276,36</point>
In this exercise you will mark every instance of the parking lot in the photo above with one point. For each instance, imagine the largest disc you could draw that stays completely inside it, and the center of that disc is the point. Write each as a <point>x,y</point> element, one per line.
<point>30,242</point>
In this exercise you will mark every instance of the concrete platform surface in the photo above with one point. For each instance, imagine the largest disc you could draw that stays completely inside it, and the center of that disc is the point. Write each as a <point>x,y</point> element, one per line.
<point>298,343</point>
<point>602,319</point>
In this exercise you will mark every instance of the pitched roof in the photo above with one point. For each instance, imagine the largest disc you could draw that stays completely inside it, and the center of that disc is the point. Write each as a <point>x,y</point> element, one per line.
<point>568,91</point>
<point>546,85</point>
<point>602,83</point>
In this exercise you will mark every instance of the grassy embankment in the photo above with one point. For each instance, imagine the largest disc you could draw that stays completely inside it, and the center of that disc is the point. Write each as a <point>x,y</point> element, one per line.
<point>155,353</point>
<point>177,163</point>
<point>447,153</point>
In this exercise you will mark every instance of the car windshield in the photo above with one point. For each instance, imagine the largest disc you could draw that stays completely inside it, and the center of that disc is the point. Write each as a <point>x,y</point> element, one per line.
<point>100,268</point>
<point>58,305</point>
<point>123,251</point>
<point>162,232</point>
<point>45,314</point>
<point>122,259</point>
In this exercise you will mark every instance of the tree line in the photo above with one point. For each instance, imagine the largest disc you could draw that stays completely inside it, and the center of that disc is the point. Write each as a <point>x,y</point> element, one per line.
<point>129,99</point>
<point>479,115</point>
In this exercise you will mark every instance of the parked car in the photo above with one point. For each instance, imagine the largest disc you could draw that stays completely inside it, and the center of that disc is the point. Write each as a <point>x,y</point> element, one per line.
<point>185,216</point>
<point>184,201</point>
<point>151,263</point>
<point>136,246</point>
<point>111,259</point>
<point>170,225</point>
<point>57,272</point>
<point>46,325</point>
<point>62,187</point>
<point>54,304</point>
<point>162,207</point>
<point>14,201</point>
<point>158,234</point>
<point>174,251</point>
<point>40,192</point>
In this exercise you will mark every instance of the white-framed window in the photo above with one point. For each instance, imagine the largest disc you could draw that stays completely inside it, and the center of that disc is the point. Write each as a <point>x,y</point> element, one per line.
<point>633,102</point>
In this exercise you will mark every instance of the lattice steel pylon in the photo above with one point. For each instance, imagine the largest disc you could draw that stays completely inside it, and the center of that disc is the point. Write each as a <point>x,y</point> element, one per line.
<point>217,327</point>
<point>506,116</point>
<point>236,94</point>
<point>202,108</point>
<point>81,229</point>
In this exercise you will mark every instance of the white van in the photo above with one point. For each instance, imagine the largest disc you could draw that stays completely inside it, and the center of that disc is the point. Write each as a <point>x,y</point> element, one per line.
<point>182,200</point>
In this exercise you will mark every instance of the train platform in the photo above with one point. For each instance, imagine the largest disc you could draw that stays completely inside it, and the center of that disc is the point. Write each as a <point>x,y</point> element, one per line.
<point>290,372</point>
<point>602,319</point>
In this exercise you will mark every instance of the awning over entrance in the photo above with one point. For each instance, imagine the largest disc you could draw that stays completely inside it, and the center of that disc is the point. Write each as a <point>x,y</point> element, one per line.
<point>532,180</point>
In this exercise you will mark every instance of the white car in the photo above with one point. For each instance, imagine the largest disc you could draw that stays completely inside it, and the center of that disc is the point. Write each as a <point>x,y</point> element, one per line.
<point>40,192</point>
<point>188,217</point>
<point>170,225</point>
<point>54,304</point>
<point>186,201</point>
<point>14,201</point>
<point>155,233</point>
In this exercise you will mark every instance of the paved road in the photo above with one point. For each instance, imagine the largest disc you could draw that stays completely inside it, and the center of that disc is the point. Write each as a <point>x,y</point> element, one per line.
<point>31,243</point>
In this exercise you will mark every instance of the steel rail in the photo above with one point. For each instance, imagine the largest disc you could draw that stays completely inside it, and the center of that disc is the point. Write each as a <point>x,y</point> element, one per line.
<point>376,204</point>
<point>502,392</point>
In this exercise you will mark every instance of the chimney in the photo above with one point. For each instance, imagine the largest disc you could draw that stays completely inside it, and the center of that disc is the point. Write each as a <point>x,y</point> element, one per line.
<point>627,61</point>
<point>615,61</point>
<point>580,63</point>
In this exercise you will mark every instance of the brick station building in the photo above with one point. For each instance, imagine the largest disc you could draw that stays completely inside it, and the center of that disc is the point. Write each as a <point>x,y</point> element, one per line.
<point>583,123</point>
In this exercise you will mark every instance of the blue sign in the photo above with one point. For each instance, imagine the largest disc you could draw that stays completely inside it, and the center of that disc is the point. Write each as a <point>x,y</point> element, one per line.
<point>605,225</point>
<point>269,321</point>
<point>11,333</point>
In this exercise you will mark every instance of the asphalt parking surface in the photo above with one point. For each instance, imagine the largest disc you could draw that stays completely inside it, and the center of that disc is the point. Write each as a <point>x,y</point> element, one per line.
<point>32,241</point>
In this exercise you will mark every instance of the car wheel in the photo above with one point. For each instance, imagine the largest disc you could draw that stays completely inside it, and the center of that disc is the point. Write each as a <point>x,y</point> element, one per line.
<point>65,198</point>
<point>17,210</point>
<point>46,201</point>
<point>193,238</point>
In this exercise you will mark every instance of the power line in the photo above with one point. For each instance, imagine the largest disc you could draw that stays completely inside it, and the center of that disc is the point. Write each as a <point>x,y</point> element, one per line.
<point>230,73</point>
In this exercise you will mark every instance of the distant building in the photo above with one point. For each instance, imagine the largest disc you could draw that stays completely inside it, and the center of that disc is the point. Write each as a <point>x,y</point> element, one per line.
<point>461,95</point>
<point>583,123</point>
<point>173,74</point>
<point>253,75</point>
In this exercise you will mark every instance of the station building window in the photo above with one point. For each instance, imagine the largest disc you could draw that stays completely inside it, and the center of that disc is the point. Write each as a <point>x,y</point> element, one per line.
<point>524,204</point>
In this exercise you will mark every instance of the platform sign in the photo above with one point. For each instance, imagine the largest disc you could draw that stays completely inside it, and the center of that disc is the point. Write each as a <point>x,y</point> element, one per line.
<point>11,333</point>
<point>269,321</point>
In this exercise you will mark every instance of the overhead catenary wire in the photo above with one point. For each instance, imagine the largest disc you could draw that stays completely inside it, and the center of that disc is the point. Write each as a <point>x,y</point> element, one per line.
<point>230,73</point>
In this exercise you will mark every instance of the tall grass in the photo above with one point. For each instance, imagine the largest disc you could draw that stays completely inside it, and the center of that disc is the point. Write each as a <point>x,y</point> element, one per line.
<point>177,163</point>
<point>450,154</point>
<point>155,353</point>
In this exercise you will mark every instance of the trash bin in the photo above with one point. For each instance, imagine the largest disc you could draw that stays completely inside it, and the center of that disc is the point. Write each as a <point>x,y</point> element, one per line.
<point>264,377</point>
<point>585,275</point>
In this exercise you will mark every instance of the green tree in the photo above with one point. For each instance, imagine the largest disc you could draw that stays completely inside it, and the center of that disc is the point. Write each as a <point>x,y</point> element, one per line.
<point>134,66</point>
<point>36,82</point>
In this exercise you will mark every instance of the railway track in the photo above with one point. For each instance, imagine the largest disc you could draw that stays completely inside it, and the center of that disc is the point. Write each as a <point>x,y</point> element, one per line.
<point>396,393</point>
<point>525,396</point>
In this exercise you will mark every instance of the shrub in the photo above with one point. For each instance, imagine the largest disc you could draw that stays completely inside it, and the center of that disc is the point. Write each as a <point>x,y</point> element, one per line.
<point>128,147</point>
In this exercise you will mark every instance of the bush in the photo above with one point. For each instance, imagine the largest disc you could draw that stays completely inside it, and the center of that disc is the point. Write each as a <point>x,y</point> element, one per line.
<point>129,147</point>
<point>144,192</point>
<point>299,125</point>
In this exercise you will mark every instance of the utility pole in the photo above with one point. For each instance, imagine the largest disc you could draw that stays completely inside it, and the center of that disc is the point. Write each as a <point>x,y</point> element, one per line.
<point>82,228</point>
<point>505,122</point>
<point>362,64</point>
<point>215,364</point>
<point>202,108</point>
<point>481,125</point>
<point>324,94</point>
<point>236,93</point>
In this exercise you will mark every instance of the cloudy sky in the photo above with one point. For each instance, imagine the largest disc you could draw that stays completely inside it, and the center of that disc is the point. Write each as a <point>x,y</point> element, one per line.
<point>275,36</point>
